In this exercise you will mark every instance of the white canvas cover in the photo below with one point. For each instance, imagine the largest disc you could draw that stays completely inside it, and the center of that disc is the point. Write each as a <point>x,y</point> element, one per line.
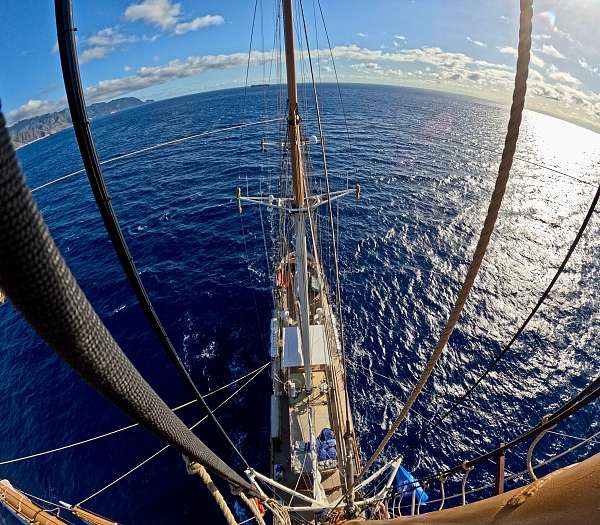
<point>292,350</point>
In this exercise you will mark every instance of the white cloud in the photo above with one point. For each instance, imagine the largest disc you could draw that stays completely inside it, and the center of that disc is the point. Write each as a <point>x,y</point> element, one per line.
<point>110,36</point>
<point>433,56</point>
<point>549,88</point>
<point>161,13</point>
<point>400,37</point>
<point>94,53</point>
<point>33,108</point>
<point>477,42</point>
<point>199,23</point>
<point>534,59</point>
<point>362,35</point>
<point>372,66</point>
<point>551,51</point>
<point>155,75</point>
<point>167,15</point>
<point>585,65</point>
<point>106,41</point>
<point>559,93</point>
<point>563,76</point>
<point>537,61</point>
<point>507,50</point>
<point>103,43</point>
<point>127,68</point>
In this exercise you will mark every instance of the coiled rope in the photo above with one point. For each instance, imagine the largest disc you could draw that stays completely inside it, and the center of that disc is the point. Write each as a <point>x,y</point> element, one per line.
<point>510,144</point>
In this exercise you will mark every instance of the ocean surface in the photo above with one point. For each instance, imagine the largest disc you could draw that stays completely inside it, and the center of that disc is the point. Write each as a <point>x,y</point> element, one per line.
<point>426,163</point>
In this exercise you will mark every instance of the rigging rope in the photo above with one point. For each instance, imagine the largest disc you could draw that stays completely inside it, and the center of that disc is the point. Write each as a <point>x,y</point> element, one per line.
<point>512,135</point>
<point>128,427</point>
<point>251,504</point>
<point>76,100</point>
<point>331,223</point>
<point>362,370</point>
<point>161,450</point>
<point>160,145</point>
<point>337,82</point>
<point>196,468</point>
<point>525,160</point>
<point>539,303</point>
<point>581,400</point>
<point>40,285</point>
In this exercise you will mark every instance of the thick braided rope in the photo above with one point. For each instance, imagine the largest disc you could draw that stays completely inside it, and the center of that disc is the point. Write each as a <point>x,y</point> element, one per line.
<point>510,144</point>
<point>251,504</point>
<point>35,277</point>
<point>216,494</point>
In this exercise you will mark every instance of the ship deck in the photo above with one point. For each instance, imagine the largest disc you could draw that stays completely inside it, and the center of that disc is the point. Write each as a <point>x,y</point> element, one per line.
<point>291,462</point>
<point>328,411</point>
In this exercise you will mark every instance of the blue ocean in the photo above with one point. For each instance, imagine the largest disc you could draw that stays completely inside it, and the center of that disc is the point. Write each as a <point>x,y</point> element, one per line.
<point>426,162</point>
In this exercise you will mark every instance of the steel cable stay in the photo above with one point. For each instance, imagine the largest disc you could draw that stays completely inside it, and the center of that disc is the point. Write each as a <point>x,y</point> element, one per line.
<point>337,82</point>
<point>525,160</point>
<point>243,230</point>
<point>254,374</point>
<point>76,100</point>
<point>128,427</point>
<point>161,450</point>
<point>36,278</point>
<point>413,410</point>
<point>157,146</point>
<point>334,240</point>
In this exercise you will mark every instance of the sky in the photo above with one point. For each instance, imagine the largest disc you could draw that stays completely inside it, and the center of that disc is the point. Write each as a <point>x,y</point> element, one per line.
<point>164,48</point>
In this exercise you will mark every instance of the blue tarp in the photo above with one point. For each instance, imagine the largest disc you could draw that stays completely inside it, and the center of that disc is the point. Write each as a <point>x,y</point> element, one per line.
<point>326,445</point>
<point>405,484</point>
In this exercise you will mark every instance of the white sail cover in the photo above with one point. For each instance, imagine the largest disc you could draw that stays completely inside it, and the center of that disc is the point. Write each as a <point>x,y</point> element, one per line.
<point>292,350</point>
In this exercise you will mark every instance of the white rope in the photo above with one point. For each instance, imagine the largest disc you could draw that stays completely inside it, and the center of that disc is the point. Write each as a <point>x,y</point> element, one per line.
<point>57,505</point>
<point>128,427</point>
<point>156,146</point>
<point>160,451</point>
<point>573,437</point>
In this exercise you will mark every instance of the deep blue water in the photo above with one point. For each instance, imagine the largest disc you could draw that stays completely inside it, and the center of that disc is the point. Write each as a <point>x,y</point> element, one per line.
<point>426,163</point>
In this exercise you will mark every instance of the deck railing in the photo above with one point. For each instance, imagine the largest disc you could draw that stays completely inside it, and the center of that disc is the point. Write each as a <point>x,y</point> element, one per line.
<point>532,436</point>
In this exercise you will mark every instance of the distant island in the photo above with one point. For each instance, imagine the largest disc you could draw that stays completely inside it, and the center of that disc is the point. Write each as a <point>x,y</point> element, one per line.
<point>35,128</point>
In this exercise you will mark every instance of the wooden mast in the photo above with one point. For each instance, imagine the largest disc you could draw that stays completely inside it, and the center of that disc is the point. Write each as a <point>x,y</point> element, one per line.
<point>295,144</point>
<point>293,115</point>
